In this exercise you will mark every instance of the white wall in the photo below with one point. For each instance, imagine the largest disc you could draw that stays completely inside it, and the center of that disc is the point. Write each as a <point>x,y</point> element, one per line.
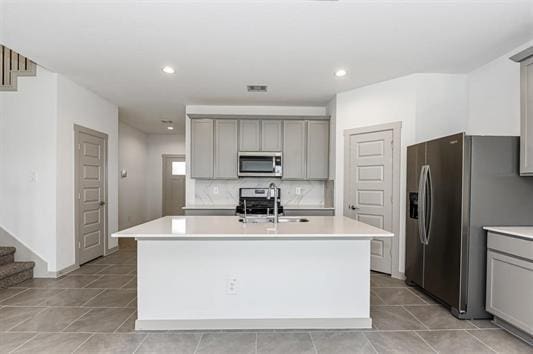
<point>494,97</point>
<point>133,157</point>
<point>37,158</point>
<point>77,105</point>
<point>428,105</point>
<point>28,134</point>
<point>159,144</point>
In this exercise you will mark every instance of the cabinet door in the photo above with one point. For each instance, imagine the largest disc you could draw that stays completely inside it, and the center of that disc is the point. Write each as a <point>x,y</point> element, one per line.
<point>202,148</point>
<point>526,131</point>
<point>318,149</point>
<point>294,146</point>
<point>249,135</point>
<point>509,289</point>
<point>271,135</point>
<point>226,148</point>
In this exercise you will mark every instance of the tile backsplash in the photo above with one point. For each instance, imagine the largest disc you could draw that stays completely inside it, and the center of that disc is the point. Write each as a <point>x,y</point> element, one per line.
<point>223,192</point>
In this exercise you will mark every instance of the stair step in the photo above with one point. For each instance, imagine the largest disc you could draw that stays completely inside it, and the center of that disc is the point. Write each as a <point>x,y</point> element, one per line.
<point>7,255</point>
<point>5,251</point>
<point>14,273</point>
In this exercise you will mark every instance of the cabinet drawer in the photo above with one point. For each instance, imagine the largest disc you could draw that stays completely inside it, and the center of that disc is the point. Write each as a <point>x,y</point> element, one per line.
<point>510,289</point>
<point>511,245</point>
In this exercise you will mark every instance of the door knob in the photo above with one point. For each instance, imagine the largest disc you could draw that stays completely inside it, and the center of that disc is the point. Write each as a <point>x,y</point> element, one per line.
<point>102,203</point>
<point>353,207</point>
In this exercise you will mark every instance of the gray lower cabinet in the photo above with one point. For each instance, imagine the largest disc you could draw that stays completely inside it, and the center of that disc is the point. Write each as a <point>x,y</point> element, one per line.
<point>249,135</point>
<point>226,148</point>
<point>294,149</point>
<point>271,135</point>
<point>317,149</point>
<point>510,281</point>
<point>209,212</point>
<point>526,126</point>
<point>201,148</point>
<point>308,212</point>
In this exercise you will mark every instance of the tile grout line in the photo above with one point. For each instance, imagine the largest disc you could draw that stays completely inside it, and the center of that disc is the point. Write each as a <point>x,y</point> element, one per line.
<point>480,341</point>
<point>198,344</point>
<point>127,318</point>
<point>24,343</point>
<point>67,326</point>
<point>425,341</point>
<point>312,341</point>
<point>86,285</point>
<point>420,297</point>
<point>141,342</point>
<point>9,297</point>
<point>256,340</point>
<point>83,342</point>
<point>369,341</point>
<point>101,292</point>
<point>416,318</point>
<point>27,319</point>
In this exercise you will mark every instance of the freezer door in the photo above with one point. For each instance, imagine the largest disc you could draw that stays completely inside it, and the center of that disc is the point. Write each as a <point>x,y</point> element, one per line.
<point>442,254</point>
<point>414,247</point>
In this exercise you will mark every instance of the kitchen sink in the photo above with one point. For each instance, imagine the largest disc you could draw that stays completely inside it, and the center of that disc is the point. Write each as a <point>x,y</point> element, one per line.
<point>264,219</point>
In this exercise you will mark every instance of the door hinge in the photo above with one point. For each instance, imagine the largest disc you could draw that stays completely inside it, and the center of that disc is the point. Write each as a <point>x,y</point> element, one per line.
<point>79,146</point>
<point>79,244</point>
<point>79,195</point>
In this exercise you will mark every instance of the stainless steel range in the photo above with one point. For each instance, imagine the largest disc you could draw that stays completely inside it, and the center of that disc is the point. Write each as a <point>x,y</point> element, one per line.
<point>256,201</point>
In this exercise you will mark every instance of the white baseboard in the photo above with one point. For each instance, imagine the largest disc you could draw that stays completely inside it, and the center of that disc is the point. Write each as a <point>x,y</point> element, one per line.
<point>251,324</point>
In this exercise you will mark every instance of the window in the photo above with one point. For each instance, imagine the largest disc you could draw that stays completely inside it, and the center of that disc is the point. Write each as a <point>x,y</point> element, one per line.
<point>178,168</point>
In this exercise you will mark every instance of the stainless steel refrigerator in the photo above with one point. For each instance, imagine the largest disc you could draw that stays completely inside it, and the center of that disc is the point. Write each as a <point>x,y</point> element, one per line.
<point>455,186</point>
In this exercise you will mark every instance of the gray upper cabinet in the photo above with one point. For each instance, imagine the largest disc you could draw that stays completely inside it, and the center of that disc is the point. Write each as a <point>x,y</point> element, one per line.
<point>271,139</point>
<point>526,126</point>
<point>201,148</point>
<point>294,149</point>
<point>249,135</point>
<point>226,148</point>
<point>318,149</point>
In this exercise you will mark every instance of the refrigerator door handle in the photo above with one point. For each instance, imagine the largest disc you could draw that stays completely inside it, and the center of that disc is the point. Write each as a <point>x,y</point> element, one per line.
<point>428,198</point>
<point>422,205</point>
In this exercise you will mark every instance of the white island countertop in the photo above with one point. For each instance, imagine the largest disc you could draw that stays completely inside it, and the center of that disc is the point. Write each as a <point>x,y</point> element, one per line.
<point>229,227</point>
<point>516,231</point>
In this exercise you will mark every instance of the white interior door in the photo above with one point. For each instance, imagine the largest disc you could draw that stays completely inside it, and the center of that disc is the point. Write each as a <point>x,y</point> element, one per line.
<point>369,195</point>
<point>173,185</point>
<point>91,176</point>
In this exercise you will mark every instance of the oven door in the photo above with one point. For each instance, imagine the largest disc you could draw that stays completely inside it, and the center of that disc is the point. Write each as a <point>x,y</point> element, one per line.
<point>257,165</point>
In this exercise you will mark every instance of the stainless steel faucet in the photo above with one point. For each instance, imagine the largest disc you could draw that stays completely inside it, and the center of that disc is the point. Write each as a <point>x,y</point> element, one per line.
<point>273,193</point>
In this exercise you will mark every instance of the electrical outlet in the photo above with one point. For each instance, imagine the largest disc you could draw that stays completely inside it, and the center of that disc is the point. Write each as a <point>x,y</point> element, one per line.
<point>215,190</point>
<point>232,285</point>
<point>298,190</point>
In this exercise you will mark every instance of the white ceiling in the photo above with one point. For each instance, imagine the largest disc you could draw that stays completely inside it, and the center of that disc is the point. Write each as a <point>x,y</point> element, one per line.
<point>117,48</point>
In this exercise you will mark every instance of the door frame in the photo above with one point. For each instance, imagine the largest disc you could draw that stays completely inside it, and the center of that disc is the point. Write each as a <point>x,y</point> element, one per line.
<point>77,194</point>
<point>396,128</point>
<point>163,157</point>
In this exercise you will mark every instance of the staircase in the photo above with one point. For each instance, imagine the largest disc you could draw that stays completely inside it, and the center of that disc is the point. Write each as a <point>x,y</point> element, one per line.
<point>11,272</point>
<point>13,65</point>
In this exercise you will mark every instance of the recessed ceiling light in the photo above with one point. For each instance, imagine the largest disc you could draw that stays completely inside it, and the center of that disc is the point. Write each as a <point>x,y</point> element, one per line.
<point>340,73</point>
<point>168,70</point>
<point>170,127</point>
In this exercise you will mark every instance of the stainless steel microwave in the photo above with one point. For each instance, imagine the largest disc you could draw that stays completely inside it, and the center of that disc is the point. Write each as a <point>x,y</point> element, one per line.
<point>260,164</point>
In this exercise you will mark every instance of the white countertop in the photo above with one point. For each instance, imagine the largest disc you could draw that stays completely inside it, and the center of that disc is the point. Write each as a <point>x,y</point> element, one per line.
<point>226,206</point>
<point>517,231</point>
<point>229,227</point>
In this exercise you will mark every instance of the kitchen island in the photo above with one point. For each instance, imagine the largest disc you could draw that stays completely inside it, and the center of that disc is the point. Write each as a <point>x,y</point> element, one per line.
<point>215,272</point>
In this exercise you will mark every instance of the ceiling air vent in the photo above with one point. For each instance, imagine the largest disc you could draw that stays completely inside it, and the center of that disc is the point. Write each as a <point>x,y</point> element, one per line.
<point>257,88</point>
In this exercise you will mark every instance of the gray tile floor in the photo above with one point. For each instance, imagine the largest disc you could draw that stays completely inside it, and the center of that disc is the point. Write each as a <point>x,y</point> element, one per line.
<point>92,310</point>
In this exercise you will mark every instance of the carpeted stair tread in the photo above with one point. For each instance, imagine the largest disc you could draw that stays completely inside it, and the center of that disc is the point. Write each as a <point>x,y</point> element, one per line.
<point>14,268</point>
<point>5,251</point>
